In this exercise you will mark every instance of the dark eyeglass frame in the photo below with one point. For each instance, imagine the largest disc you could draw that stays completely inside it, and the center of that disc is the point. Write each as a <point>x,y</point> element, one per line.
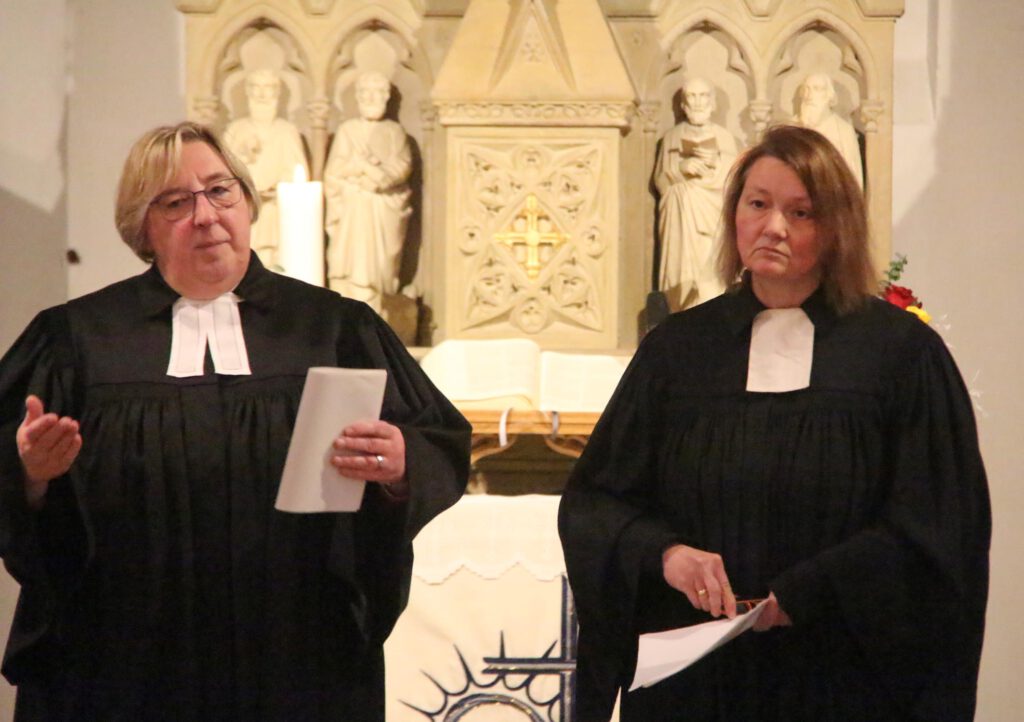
<point>187,208</point>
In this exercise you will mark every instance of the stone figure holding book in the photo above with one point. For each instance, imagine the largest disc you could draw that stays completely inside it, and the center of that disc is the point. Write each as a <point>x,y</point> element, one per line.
<point>366,184</point>
<point>690,172</point>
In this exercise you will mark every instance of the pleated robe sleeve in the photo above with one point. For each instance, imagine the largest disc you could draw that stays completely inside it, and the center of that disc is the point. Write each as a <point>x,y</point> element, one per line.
<point>911,589</point>
<point>43,550</point>
<point>437,440</point>
<point>610,534</point>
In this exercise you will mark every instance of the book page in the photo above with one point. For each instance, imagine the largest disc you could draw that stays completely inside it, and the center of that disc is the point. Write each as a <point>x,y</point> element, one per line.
<point>332,399</point>
<point>485,374</point>
<point>690,147</point>
<point>662,654</point>
<point>578,382</point>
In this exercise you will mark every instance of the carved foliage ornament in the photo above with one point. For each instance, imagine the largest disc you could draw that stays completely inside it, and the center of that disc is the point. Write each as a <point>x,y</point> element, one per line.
<point>567,113</point>
<point>530,234</point>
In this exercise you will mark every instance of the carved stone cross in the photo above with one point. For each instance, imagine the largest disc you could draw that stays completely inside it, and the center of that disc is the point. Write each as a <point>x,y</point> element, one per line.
<point>532,229</point>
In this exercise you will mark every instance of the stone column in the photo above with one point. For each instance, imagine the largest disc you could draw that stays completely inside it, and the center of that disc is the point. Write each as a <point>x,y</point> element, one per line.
<point>206,110</point>
<point>319,110</point>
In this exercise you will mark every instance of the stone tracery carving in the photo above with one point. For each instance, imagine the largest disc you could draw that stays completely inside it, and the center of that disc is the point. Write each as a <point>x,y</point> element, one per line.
<point>817,49</point>
<point>870,111</point>
<point>567,113</point>
<point>571,290</point>
<point>492,289</point>
<point>530,221</point>
<point>819,80</point>
<point>261,88</point>
<point>492,186</point>
<point>709,51</point>
<point>755,52</point>
<point>262,45</point>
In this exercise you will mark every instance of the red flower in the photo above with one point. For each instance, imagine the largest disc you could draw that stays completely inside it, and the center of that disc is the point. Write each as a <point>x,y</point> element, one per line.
<point>900,296</point>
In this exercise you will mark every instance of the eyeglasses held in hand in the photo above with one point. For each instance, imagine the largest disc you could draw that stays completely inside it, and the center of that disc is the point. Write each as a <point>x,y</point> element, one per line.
<point>178,204</point>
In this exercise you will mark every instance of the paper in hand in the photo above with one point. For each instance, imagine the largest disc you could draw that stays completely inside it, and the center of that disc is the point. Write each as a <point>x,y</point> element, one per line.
<point>662,654</point>
<point>332,399</point>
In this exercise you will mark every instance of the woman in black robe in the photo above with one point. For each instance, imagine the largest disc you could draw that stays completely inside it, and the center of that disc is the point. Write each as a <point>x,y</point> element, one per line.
<point>838,477</point>
<point>137,509</point>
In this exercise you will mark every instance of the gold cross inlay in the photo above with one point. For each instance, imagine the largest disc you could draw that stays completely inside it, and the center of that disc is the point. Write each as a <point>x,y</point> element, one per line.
<point>532,229</point>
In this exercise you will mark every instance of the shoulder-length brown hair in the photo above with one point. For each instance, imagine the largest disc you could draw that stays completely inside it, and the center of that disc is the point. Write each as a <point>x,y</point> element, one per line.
<point>152,162</point>
<point>837,201</point>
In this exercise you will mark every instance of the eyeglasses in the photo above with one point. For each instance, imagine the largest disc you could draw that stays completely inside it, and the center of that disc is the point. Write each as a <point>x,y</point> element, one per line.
<point>175,205</point>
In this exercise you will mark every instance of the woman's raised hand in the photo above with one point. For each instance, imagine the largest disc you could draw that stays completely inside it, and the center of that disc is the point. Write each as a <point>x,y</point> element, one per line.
<point>47,445</point>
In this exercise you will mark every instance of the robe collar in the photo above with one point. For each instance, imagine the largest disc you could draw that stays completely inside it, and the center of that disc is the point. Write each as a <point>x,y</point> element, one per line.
<point>256,288</point>
<point>744,306</point>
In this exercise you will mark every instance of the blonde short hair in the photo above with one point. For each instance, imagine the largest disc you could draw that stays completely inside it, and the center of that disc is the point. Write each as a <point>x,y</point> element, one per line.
<point>840,214</point>
<point>152,162</point>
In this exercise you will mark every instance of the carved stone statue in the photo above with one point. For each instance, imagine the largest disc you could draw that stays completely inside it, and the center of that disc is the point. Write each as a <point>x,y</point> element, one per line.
<point>270,147</point>
<point>690,173</point>
<point>366,184</point>
<point>817,97</point>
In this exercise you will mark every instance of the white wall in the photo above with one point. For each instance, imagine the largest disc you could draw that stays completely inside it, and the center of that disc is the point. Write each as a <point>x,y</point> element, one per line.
<point>90,78</point>
<point>128,76</point>
<point>957,214</point>
<point>32,142</point>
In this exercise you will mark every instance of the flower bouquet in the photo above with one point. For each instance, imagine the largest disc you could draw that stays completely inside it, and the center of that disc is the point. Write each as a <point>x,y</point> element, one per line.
<point>901,295</point>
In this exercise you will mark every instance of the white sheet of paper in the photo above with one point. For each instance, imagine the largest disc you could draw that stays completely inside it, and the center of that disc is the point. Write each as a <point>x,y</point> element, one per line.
<point>331,400</point>
<point>662,654</point>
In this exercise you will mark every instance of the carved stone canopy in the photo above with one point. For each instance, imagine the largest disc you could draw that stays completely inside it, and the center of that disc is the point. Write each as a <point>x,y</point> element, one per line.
<point>533,95</point>
<point>534,62</point>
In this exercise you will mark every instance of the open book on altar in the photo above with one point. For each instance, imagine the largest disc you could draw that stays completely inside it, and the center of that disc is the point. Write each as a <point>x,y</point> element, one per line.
<point>515,373</point>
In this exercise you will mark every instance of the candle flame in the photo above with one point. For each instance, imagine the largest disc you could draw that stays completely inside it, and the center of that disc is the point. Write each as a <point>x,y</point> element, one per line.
<point>299,176</point>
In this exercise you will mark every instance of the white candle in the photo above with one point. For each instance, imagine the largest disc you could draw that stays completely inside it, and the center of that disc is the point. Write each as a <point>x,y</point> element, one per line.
<point>301,217</point>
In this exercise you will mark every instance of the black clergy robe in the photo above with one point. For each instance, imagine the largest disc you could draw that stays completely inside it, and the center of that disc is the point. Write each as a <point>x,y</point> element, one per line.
<point>158,581</point>
<point>860,501</point>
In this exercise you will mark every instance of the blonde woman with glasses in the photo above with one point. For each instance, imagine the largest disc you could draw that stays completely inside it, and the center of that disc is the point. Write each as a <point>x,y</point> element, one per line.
<point>143,431</point>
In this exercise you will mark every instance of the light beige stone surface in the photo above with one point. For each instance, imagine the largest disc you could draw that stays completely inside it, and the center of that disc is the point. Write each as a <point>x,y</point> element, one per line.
<point>271,148</point>
<point>366,183</point>
<point>505,75</point>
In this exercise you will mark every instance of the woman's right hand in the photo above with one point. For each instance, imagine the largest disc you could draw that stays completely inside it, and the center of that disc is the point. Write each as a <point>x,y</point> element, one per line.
<point>701,576</point>
<point>47,446</point>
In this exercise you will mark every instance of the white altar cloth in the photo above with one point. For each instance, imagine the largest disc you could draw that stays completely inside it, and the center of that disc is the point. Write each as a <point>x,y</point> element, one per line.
<point>490,566</point>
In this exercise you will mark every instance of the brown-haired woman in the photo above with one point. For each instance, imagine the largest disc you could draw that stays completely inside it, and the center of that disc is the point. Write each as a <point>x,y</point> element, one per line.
<point>797,440</point>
